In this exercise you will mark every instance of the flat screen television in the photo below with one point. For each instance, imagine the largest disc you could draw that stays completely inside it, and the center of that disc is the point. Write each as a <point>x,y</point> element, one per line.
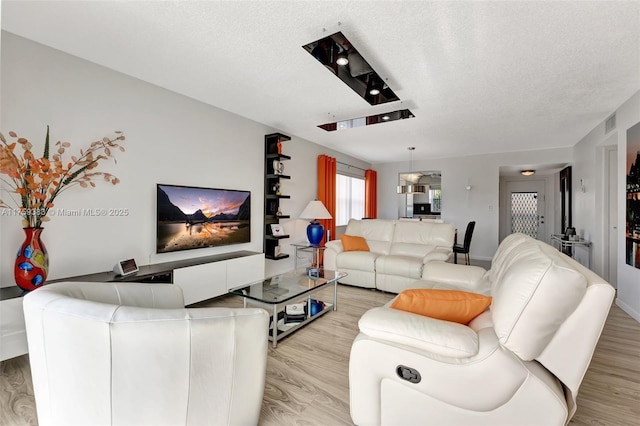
<point>190,217</point>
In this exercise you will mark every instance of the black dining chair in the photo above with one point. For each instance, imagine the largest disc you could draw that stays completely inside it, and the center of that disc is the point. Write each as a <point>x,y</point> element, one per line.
<point>464,248</point>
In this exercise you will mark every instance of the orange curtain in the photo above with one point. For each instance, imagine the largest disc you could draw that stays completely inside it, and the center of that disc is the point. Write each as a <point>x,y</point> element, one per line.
<point>327,191</point>
<point>371,194</point>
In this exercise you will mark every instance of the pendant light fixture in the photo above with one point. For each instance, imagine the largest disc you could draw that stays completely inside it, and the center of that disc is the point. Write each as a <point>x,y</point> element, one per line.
<point>411,188</point>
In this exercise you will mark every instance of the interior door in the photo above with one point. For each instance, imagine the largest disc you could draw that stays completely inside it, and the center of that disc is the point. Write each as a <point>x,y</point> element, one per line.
<point>613,218</point>
<point>526,208</point>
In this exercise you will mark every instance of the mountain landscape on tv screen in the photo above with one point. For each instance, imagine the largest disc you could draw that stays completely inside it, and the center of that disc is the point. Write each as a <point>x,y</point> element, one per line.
<point>223,218</point>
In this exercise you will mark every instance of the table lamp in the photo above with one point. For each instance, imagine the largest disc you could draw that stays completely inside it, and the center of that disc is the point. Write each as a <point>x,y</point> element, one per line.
<point>315,210</point>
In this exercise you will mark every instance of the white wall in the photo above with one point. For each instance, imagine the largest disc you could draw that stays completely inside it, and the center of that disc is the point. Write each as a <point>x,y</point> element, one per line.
<point>460,206</point>
<point>587,205</point>
<point>170,139</point>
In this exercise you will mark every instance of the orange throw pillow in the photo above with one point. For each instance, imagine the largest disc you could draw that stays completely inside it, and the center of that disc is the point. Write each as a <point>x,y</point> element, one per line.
<point>449,305</point>
<point>353,243</point>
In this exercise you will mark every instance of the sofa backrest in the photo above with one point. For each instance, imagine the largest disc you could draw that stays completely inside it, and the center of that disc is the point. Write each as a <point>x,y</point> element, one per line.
<point>419,238</point>
<point>579,333</point>
<point>549,308</point>
<point>130,353</point>
<point>534,294</point>
<point>377,232</point>
<point>498,261</point>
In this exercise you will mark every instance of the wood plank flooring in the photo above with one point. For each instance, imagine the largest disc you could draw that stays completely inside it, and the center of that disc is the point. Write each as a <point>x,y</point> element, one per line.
<point>307,374</point>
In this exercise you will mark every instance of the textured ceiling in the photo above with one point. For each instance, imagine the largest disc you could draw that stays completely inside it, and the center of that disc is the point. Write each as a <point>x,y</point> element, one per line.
<point>480,77</point>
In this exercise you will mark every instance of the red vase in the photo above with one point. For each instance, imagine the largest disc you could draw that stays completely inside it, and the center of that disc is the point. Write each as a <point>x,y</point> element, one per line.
<point>32,262</point>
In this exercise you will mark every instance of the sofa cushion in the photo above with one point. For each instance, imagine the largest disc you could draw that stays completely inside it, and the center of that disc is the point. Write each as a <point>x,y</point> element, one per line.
<point>448,305</point>
<point>358,260</point>
<point>420,238</point>
<point>404,266</point>
<point>353,243</point>
<point>377,232</point>
<point>535,293</point>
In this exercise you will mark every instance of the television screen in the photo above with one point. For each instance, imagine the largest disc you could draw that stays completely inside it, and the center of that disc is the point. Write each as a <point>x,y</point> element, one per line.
<point>192,217</point>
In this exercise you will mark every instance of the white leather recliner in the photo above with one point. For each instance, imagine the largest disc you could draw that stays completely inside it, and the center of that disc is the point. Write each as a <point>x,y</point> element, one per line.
<point>131,354</point>
<point>519,363</point>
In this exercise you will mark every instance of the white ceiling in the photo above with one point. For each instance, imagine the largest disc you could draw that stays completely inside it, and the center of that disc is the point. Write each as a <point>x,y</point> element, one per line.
<point>481,77</point>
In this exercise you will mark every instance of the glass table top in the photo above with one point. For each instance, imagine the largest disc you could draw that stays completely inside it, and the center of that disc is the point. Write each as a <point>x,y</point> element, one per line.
<point>284,287</point>
<point>305,244</point>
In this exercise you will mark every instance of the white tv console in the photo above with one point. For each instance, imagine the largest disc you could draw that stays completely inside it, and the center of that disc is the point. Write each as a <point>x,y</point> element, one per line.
<point>201,278</point>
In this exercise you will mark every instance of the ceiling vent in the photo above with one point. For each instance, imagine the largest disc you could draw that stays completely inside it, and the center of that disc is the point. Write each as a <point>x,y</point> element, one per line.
<point>610,124</point>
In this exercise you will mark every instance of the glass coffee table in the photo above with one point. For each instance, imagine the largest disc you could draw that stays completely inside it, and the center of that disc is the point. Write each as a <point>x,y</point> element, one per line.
<point>291,289</point>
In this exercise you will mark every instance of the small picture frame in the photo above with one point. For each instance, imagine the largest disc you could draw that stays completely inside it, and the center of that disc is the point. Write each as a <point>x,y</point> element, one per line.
<point>277,230</point>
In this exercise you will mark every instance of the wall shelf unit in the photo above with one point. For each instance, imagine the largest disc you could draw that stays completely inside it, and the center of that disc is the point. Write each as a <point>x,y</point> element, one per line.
<point>273,175</point>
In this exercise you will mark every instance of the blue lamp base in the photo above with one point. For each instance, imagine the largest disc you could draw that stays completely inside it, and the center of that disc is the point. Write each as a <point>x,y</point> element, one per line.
<point>315,232</point>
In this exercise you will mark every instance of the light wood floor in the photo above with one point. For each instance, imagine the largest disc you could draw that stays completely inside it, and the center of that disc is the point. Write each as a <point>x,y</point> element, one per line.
<point>307,374</point>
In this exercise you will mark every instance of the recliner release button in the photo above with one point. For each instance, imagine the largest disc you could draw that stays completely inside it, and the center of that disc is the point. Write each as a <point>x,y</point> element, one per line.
<point>409,374</point>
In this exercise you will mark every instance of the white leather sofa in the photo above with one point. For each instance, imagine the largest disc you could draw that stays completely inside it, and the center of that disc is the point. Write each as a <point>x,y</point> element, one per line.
<point>398,252</point>
<point>131,354</point>
<point>521,362</point>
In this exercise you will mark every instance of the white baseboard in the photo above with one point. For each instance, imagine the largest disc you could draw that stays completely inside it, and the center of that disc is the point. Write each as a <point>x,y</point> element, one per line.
<point>628,309</point>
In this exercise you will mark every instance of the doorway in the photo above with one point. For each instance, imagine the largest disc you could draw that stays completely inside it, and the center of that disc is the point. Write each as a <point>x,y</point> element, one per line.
<point>610,219</point>
<point>525,208</point>
<point>565,199</point>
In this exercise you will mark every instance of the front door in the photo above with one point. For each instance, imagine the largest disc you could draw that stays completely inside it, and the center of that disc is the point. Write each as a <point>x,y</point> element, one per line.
<point>526,208</point>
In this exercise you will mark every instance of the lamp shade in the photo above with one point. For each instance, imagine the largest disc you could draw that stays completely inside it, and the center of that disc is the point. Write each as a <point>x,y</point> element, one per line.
<point>315,210</point>
<point>412,189</point>
<point>412,179</point>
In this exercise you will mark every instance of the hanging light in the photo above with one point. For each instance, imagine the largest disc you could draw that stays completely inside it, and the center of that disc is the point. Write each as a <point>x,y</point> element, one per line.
<point>411,188</point>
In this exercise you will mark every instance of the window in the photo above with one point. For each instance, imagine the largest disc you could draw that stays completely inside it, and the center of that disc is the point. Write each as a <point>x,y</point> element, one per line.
<point>349,199</point>
<point>435,197</point>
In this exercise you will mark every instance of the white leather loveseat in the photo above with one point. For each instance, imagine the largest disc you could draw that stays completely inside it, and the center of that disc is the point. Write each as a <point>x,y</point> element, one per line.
<point>521,362</point>
<point>398,250</point>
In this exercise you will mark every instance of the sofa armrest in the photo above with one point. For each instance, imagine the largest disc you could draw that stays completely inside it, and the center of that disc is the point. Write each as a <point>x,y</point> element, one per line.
<point>438,254</point>
<point>471,278</point>
<point>438,337</point>
<point>335,245</point>
<point>333,249</point>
